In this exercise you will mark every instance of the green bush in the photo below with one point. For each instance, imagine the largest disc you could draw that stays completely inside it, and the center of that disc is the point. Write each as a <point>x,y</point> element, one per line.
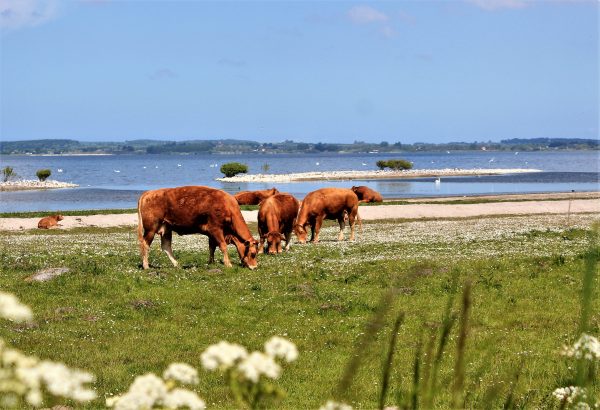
<point>43,174</point>
<point>8,173</point>
<point>233,168</point>
<point>395,164</point>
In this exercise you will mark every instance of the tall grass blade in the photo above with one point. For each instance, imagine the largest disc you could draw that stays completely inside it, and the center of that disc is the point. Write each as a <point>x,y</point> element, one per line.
<point>417,375</point>
<point>373,326</point>
<point>509,402</point>
<point>387,366</point>
<point>459,367</point>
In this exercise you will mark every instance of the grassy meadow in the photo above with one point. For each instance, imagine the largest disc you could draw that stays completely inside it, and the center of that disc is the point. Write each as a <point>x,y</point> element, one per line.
<point>109,317</point>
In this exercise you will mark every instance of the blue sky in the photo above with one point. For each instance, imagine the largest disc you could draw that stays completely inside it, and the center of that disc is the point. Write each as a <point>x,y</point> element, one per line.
<point>314,71</point>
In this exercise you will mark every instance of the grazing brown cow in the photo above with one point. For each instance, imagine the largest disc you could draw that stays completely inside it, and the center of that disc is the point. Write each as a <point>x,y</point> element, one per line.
<point>50,221</point>
<point>366,194</point>
<point>254,197</point>
<point>276,217</point>
<point>326,203</point>
<point>194,209</point>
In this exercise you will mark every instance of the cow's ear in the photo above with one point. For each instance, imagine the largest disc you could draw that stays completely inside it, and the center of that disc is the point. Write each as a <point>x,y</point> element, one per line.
<point>282,236</point>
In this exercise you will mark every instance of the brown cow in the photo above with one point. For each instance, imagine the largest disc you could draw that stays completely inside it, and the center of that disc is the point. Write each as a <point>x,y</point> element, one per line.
<point>194,209</point>
<point>254,197</point>
<point>50,221</point>
<point>276,217</point>
<point>366,194</point>
<point>326,203</point>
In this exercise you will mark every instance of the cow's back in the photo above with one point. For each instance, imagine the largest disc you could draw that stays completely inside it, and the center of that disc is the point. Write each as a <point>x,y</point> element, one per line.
<point>329,201</point>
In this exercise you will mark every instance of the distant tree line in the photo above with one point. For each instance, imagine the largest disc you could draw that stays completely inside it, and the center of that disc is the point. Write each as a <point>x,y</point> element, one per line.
<point>231,146</point>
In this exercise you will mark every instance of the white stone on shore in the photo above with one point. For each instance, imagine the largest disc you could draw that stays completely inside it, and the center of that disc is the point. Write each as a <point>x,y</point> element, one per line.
<point>376,174</point>
<point>32,184</point>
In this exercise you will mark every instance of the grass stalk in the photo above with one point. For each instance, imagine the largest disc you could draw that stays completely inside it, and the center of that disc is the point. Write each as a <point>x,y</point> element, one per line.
<point>387,366</point>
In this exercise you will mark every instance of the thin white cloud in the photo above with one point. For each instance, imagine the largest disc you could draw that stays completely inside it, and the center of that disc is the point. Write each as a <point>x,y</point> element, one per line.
<point>387,31</point>
<point>163,74</point>
<point>16,14</point>
<point>366,15</point>
<point>491,5</point>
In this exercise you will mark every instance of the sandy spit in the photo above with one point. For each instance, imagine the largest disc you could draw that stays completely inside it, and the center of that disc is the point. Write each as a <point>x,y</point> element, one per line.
<point>376,174</point>
<point>33,184</point>
<point>412,211</point>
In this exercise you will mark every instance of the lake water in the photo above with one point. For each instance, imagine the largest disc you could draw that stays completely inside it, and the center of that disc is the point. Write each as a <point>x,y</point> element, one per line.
<point>117,181</point>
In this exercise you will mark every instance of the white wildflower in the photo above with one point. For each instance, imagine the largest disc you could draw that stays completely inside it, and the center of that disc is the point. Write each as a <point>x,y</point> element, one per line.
<point>334,405</point>
<point>65,382</point>
<point>587,347</point>
<point>182,373</point>
<point>12,309</point>
<point>570,394</point>
<point>280,347</point>
<point>222,355</point>
<point>144,393</point>
<point>177,398</point>
<point>257,364</point>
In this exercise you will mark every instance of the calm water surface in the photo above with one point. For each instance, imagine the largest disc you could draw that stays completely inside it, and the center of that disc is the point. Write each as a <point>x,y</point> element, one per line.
<point>117,181</point>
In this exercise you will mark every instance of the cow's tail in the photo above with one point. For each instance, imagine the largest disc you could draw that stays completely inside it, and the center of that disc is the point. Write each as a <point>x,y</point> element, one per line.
<point>359,221</point>
<point>140,229</point>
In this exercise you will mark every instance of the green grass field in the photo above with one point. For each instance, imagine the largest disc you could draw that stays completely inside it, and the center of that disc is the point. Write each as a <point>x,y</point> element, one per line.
<point>111,318</point>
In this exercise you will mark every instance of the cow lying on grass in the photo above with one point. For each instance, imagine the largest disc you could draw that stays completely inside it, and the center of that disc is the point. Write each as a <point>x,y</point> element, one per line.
<point>254,197</point>
<point>50,221</point>
<point>194,209</point>
<point>326,203</point>
<point>366,194</point>
<point>276,217</point>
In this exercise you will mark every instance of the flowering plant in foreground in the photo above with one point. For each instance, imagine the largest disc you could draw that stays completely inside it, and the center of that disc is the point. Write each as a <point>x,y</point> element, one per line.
<point>248,374</point>
<point>26,381</point>
<point>587,348</point>
<point>150,391</point>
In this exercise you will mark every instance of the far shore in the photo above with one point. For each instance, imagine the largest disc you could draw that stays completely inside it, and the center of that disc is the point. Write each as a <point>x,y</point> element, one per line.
<point>373,174</point>
<point>28,184</point>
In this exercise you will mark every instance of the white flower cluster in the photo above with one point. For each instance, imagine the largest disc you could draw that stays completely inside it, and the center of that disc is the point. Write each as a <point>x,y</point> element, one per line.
<point>225,356</point>
<point>12,309</point>
<point>25,377</point>
<point>570,394</point>
<point>150,391</point>
<point>334,405</point>
<point>182,373</point>
<point>222,355</point>
<point>280,347</point>
<point>587,347</point>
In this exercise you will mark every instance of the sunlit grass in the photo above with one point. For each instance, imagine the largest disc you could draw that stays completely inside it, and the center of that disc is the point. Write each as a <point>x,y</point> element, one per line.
<point>109,317</point>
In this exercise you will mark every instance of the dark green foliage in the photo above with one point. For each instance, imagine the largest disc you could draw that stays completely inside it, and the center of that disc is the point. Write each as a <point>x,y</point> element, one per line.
<point>43,174</point>
<point>233,168</point>
<point>395,164</point>
<point>7,173</point>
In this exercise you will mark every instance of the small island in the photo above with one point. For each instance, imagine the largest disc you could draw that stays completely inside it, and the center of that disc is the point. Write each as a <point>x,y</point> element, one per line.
<point>373,174</point>
<point>25,184</point>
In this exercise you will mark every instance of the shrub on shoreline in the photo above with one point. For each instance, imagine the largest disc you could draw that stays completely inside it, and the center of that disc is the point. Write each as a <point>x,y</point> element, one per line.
<point>395,164</point>
<point>43,174</point>
<point>8,173</point>
<point>231,169</point>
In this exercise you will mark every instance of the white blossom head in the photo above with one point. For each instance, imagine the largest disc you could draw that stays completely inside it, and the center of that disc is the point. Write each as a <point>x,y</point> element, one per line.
<point>587,347</point>
<point>222,355</point>
<point>12,309</point>
<point>280,347</point>
<point>182,373</point>
<point>334,405</point>
<point>257,364</point>
<point>183,398</point>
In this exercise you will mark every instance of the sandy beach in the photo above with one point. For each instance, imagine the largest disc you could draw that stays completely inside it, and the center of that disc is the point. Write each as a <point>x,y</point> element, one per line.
<point>554,204</point>
<point>376,174</point>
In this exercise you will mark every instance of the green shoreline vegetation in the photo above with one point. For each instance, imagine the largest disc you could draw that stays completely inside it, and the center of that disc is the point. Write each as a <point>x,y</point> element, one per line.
<point>232,146</point>
<point>525,275</point>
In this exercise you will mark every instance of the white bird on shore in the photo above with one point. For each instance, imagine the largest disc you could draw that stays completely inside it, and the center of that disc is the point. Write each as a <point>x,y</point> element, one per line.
<point>316,163</point>
<point>156,166</point>
<point>116,170</point>
<point>491,160</point>
<point>517,153</point>
<point>59,170</point>
<point>438,181</point>
<point>178,165</point>
<point>144,167</point>
<point>364,163</point>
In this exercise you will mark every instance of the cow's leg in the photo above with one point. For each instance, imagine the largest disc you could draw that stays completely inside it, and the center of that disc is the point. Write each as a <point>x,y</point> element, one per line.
<point>317,228</point>
<point>342,223</point>
<point>145,246</point>
<point>165,244</point>
<point>212,245</point>
<point>220,241</point>
<point>288,236</point>
<point>352,220</point>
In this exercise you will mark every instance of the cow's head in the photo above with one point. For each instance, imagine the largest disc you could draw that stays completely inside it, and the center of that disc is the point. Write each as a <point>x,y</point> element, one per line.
<point>274,242</point>
<point>274,191</point>
<point>59,217</point>
<point>249,256</point>
<point>300,231</point>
